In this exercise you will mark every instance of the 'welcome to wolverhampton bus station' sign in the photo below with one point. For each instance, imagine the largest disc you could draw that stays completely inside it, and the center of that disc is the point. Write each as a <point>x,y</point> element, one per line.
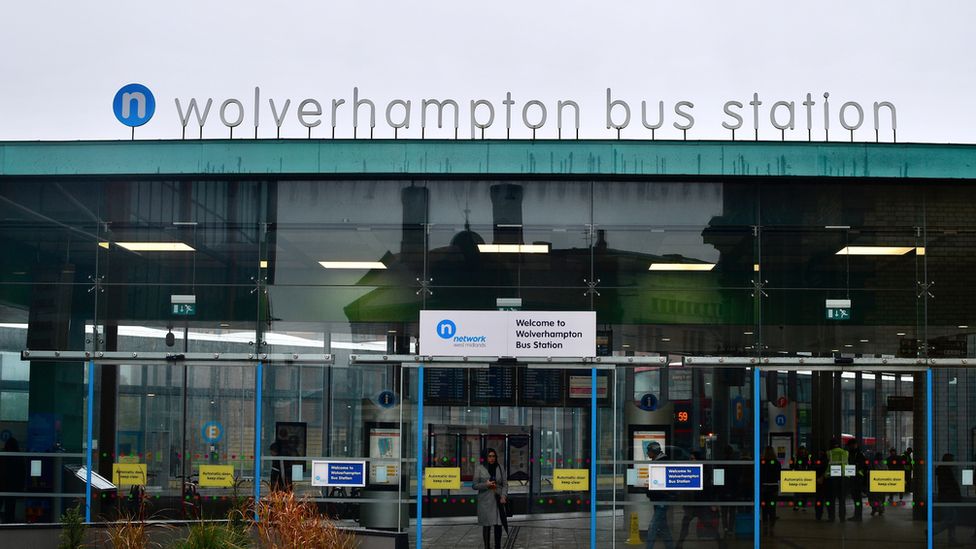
<point>508,333</point>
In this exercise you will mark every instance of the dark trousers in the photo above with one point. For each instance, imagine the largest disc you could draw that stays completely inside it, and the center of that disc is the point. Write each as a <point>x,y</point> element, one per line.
<point>659,528</point>
<point>486,535</point>
<point>768,499</point>
<point>836,498</point>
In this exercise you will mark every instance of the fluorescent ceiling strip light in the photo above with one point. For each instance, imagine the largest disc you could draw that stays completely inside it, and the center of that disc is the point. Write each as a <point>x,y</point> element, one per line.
<point>352,264</point>
<point>920,250</point>
<point>155,246</point>
<point>681,267</point>
<point>263,264</point>
<point>513,248</point>
<point>875,250</point>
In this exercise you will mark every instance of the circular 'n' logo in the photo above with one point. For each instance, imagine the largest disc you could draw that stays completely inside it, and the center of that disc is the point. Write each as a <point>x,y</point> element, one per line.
<point>446,329</point>
<point>134,105</point>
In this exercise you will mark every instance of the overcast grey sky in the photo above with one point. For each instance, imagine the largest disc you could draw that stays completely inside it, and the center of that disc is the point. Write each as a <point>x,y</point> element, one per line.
<point>63,62</point>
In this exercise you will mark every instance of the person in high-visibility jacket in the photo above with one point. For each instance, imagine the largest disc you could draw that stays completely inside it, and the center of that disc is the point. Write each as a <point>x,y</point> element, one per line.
<point>837,458</point>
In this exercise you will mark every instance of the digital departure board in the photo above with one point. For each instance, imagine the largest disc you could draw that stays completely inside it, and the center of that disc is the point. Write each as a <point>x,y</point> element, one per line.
<point>580,383</point>
<point>493,386</point>
<point>445,386</point>
<point>543,387</point>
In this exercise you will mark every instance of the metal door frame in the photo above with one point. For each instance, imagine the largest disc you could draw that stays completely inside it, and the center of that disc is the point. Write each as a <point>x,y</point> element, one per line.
<point>843,364</point>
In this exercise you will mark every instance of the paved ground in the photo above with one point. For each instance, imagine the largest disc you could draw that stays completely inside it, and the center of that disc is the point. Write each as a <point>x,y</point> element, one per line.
<point>794,530</point>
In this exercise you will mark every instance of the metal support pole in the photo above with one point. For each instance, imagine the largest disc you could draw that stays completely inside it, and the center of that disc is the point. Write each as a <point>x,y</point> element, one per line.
<point>420,453</point>
<point>593,388</point>
<point>756,456</point>
<point>88,447</point>
<point>259,390</point>
<point>929,466</point>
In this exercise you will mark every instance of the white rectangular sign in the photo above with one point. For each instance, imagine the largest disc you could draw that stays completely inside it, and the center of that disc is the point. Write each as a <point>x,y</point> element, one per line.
<point>339,473</point>
<point>508,333</point>
<point>675,476</point>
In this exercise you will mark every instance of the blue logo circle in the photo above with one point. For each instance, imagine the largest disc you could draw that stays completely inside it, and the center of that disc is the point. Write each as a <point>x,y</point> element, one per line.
<point>212,432</point>
<point>780,420</point>
<point>134,105</point>
<point>387,399</point>
<point>446,329</point>
<point>648,403</point>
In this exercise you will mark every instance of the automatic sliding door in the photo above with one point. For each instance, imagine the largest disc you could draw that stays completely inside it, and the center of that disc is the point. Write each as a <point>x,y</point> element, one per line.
<point>680,458</point>
<point>506,450</point>
<point>843,462</point>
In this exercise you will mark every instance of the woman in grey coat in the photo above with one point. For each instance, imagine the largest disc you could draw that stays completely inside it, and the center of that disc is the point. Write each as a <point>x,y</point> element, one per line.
<point>492,487</point>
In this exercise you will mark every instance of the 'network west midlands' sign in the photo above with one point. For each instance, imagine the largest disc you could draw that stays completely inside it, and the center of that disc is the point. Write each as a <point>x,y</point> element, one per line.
<point>508,333</point>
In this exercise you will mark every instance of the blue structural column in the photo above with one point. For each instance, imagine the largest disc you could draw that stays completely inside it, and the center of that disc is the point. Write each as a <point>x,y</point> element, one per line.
<point>258,397</point>
<point>420,453</point>
<point>593,418</point>
<point>89,435</point>
<point>757,455</point>
<point>929,465</point>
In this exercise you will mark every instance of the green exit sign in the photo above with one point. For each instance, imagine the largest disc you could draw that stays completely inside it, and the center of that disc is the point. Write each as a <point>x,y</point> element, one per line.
<point>184,309</point>
<point>838,314</point>
<point>838,309</point>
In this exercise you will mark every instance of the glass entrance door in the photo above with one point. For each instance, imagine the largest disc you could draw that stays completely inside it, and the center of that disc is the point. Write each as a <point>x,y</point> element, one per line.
<point>842,457</point>
<point>681,450</point>
<point>505,452</point>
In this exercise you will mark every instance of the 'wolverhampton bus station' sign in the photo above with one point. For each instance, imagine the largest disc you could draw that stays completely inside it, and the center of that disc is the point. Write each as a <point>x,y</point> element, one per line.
<point>339,473</point>
<point>508,333</point>
<point>675,476</point>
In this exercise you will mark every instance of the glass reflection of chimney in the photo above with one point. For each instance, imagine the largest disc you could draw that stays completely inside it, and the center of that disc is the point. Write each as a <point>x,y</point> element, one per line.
<point>506,208</point>
<point>414,201</point>
<point>601,240</point>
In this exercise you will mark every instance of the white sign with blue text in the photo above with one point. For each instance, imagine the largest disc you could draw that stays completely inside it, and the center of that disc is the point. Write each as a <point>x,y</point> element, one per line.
<point>675,476</point>
<point>508,333</point>
<point>339,473</point>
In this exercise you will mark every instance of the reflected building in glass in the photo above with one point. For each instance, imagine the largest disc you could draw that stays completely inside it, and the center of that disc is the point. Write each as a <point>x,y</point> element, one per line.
<point>708,264</point>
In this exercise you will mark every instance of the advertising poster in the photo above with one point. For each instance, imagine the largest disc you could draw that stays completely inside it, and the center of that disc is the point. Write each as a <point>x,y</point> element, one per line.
<point>782,444</point>
<point>641,441</point>
<point>384,453</point>
<point>518,457</point>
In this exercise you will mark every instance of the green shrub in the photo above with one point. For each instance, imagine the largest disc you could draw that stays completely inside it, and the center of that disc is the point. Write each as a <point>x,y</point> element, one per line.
<point>73,529</point>
<point>213,535</point>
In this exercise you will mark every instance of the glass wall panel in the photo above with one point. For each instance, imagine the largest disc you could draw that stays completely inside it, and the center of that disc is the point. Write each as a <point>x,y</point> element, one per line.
<point>674,269</point>
<point>954,392</point>
<point>48,230</point>
<point>701,420</point>
<point>528,425</point>
<point>509,234</point>
<point>860,462</point>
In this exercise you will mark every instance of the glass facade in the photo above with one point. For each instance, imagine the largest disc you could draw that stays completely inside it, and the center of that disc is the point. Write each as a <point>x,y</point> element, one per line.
<point>680,267</point>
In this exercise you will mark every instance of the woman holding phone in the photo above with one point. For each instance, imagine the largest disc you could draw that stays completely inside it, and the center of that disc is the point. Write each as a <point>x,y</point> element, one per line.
<point>489,481</point>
